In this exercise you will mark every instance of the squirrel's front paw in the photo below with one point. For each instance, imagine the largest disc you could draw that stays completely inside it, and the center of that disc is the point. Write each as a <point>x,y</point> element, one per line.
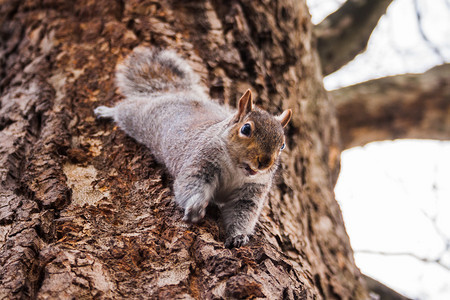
<point>104,112</point>
<point>236,241</point>
<point>194,213</point>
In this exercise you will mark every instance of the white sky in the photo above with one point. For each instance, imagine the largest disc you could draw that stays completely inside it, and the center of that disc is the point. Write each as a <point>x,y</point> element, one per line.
<point>386,192</point>
<point>386,189</point>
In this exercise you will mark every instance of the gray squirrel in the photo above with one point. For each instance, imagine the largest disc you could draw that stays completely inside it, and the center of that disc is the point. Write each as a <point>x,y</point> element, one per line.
<point>216,154</point>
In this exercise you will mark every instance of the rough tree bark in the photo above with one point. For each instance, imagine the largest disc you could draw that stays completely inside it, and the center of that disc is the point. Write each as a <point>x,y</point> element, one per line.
<point>408,106</point>
<point>86,212</point>
<point>345,33</point>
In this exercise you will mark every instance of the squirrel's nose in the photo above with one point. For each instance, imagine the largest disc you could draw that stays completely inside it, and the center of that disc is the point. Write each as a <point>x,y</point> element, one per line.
<point>264,162</point>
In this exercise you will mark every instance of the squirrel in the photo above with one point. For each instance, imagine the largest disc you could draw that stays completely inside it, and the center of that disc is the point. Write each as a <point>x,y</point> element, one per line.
<point>215,154</point>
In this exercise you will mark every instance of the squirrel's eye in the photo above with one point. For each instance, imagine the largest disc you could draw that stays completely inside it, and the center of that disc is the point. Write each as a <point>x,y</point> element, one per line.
<point>283,146</point>
<point>246,129</point>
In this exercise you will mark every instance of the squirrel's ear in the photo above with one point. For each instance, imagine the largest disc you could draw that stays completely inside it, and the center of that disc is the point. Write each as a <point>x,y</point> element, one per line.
<point>285,117</point>
<point>245,104</point>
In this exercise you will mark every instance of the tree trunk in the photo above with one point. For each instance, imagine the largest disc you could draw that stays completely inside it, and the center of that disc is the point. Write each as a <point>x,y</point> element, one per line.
<point>86,212</point>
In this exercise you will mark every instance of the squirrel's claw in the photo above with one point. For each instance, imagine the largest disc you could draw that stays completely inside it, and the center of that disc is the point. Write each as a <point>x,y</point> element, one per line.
<point>236,241</point>
<point>194,213</point>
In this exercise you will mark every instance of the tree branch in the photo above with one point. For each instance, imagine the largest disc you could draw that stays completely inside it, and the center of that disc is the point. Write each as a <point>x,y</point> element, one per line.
<point>413,106</point>
<point>381,290</point>
<point>430,44</point>
<point>345,33</point>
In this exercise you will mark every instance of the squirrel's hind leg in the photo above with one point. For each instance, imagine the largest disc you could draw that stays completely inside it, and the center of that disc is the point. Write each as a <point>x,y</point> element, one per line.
<point>105,112</point>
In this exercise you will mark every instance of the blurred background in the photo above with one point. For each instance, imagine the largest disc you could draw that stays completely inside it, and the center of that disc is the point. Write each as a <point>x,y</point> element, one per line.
<point>395,195</point>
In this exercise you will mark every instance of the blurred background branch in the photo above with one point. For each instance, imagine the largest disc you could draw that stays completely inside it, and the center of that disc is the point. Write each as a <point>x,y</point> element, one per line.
<point>411,40</point>
<point>414,106</point>
<point>437,261</point>
<point>383,292</point>
<point>345,33</point>
<point>432,46</point>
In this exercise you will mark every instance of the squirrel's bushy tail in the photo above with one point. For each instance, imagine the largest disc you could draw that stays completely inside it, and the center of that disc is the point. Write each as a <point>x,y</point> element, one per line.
<point>147,71</point>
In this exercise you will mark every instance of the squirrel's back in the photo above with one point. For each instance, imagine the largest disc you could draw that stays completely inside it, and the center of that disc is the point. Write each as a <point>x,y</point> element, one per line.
<point>164,108</point>
<point>148,71</point>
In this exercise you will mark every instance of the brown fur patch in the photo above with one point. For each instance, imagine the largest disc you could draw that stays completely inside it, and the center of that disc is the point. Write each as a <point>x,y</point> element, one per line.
<point>265,140</point>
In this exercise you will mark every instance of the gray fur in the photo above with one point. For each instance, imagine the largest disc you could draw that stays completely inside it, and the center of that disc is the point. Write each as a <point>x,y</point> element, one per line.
<point>140,76</point>
<point>166,110</point>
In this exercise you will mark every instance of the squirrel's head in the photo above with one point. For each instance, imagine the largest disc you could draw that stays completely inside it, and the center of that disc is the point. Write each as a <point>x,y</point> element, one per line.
<point>256,138</point>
